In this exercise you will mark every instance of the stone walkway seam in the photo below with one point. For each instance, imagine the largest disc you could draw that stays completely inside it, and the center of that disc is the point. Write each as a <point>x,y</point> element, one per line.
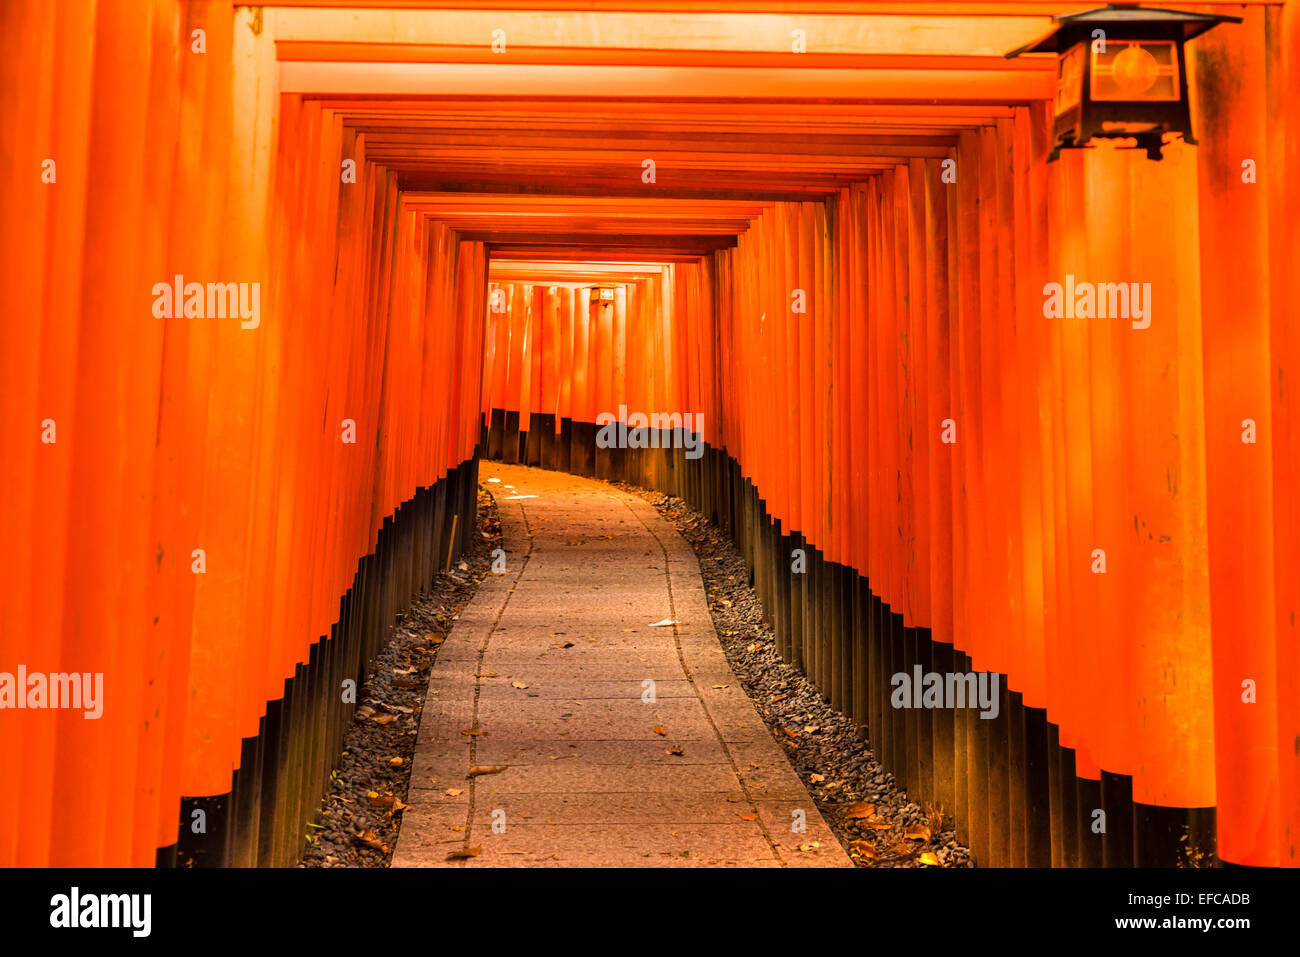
<point>478,687</point>
<point>590,672</point>
<point>677,638</point>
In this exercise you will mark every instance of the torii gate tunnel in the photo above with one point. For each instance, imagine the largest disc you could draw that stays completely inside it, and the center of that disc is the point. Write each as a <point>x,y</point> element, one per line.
<point>987,363</point>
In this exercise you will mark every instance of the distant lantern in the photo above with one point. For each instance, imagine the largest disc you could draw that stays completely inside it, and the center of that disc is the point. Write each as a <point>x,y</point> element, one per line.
<point>1121,73</point>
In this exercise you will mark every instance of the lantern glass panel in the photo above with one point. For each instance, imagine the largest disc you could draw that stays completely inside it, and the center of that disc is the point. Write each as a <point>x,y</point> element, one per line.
<point>1069,81</point>
<point>1137,70</point>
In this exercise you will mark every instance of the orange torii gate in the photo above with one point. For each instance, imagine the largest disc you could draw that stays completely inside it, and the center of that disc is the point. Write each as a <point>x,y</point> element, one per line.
<point>840,262</point>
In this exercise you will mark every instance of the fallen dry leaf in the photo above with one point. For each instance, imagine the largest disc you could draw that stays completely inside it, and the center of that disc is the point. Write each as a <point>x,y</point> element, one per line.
<point>518,684</point>
<point>793,734</point>
<point>749,817</point>
<point>673,750</point>
<point>458,827</point>
<point>380,800</point>
<point>816,778</point>
<point>864,849</point>
<point>661,730</point>
<point>809,847</point>
<point>453,792</point>
<point>466,853</point>
<point>880,825</point>
<point>862,809</point>
<point>811,728</point>
<point>370,839</point>
<point>383,719</point>
<point>918,832</point>
<point>486,674</point>
<point>930,859</point>
<point>474,732</point>
<point>481,769</point>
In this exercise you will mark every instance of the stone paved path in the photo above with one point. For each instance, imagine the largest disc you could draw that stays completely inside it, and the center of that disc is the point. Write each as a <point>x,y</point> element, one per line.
<point>588,779</point>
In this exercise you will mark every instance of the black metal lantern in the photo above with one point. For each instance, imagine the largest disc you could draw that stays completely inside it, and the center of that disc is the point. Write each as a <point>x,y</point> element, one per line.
<point>1121,73</point>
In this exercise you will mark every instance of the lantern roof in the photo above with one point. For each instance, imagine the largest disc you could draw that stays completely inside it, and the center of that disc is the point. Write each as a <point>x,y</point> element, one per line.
<point>1121,17</point>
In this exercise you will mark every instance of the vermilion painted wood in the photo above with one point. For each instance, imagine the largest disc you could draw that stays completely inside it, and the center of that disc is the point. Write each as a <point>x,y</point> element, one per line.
<point>101,572</point>
<point>999,382</point>
<point>549,391</point>
<point>990,503</point>
<point>1116,513</point>
<point>533,363</point>
<point>1284,350</point>
<point>1238,389</point>
<point>924,303</point>
<point>25,34</point>
<point>923,265</point>
<point>568,300</point>
<point>1030,264</point>
<point>187,187</point>
<point>1076,547</point>
<point>938,404</point>
<point>617,368</point>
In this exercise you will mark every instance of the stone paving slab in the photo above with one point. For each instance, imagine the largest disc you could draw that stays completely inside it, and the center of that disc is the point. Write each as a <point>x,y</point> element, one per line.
<point>588,747</point>
<point>593,678</point>
<point>657,751</point>
<point>689,815</point>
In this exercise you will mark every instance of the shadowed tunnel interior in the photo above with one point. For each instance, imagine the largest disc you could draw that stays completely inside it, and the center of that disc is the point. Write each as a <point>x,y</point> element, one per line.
<point>275,278</point>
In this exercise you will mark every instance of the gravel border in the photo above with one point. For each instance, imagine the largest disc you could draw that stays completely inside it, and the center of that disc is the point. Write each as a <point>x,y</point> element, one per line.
<point>836,766</point>
<point>359,818</point>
